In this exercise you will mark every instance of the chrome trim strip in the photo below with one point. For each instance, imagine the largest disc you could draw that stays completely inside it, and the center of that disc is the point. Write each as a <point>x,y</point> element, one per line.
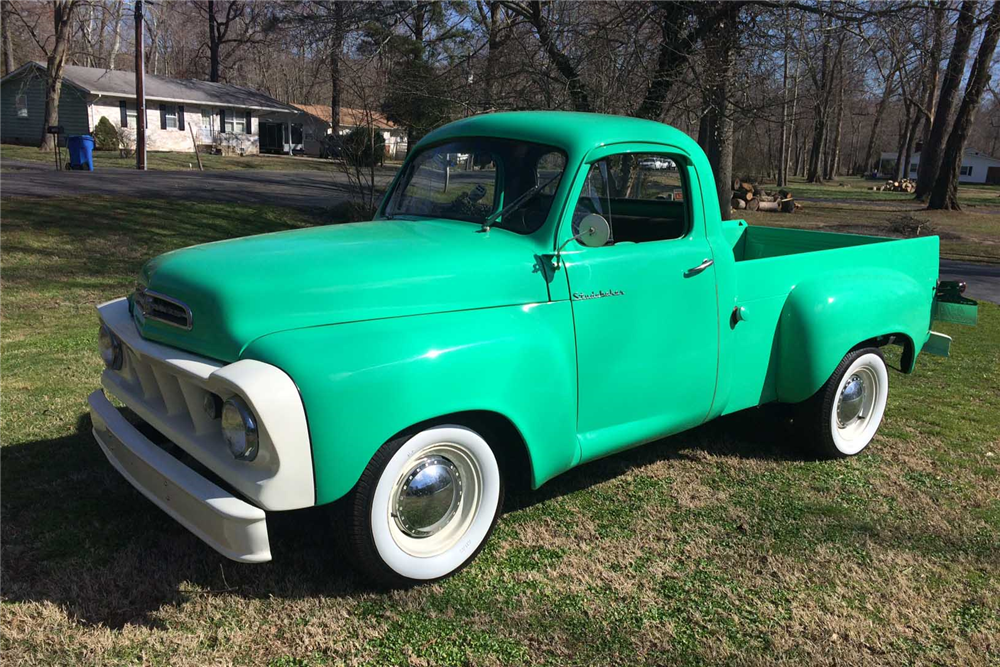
<point>147,311</point>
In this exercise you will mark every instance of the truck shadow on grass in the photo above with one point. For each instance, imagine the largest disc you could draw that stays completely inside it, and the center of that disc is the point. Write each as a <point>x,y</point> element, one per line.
<point>77,535</point>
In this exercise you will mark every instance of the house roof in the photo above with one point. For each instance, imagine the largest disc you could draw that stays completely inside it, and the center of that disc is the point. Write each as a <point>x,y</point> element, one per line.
<point>121,83</point>
<point>348,117</point>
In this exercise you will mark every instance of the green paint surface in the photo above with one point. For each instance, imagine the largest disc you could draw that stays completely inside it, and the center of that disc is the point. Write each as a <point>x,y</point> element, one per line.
<point>392,322</point>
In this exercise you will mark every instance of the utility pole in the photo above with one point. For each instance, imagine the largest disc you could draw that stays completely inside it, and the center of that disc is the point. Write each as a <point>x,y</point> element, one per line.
<point>140,92</point>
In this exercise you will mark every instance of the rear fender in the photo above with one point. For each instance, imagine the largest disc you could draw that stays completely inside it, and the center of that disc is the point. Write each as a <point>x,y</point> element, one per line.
<point>825,317</point>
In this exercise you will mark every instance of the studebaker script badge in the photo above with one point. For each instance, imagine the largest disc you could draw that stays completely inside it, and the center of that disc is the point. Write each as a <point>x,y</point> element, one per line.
<point>582,296</point>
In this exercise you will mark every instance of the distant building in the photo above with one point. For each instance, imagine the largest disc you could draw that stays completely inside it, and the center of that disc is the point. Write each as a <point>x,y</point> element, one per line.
<point>977,167</point>
<point>220,115</point>
<point>318,125</point>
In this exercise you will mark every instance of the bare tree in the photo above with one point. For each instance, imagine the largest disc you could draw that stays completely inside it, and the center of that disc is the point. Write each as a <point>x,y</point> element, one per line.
<point>62,15</point>
<point>5,41</point>
<point>931,154</point>
<point>240,25</point>
<point>945,192</point>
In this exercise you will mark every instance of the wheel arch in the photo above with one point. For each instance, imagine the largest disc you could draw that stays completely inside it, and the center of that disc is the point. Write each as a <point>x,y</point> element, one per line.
<point>500,433</point>
<point>823,320</point>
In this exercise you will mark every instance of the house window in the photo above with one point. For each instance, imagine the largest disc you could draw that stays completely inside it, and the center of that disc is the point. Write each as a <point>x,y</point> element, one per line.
<point>913,168</point>
<point>22,106</point>
<point>235,122</point>
<point>965,171</point>
<point>171,115</point>
<point>129,117</point>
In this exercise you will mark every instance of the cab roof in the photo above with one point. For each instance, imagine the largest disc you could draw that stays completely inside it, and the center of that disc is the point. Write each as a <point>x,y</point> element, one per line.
<point>575,132</point>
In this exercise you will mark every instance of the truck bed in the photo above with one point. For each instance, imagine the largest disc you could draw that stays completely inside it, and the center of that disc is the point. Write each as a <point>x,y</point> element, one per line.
<point>771,262</point>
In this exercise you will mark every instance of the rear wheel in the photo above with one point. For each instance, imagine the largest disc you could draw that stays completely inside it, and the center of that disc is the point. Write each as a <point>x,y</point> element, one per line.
<point>424,506</point>
<point>844,415</point>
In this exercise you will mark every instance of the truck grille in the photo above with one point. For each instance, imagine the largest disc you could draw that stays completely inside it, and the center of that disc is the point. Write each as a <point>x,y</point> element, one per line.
<point>160,393</point>
<point>162,308</point>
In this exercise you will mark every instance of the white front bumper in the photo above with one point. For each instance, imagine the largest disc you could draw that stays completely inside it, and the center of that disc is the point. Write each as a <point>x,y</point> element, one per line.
<point>234,528</point>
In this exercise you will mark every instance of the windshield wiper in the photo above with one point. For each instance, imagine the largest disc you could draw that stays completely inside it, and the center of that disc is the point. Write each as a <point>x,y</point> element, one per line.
<point>517,203</point>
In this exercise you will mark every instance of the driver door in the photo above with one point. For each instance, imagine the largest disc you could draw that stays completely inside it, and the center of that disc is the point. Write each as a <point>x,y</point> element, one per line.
<point>644,305</point>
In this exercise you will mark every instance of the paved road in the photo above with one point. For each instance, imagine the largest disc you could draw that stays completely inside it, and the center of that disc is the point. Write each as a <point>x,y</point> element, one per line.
<point>983,279</point>
<point>299,189</point>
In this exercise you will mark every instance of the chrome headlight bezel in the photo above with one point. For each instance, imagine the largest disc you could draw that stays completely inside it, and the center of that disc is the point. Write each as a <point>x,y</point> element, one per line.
<point>110,348</point>
<point>239,429</point>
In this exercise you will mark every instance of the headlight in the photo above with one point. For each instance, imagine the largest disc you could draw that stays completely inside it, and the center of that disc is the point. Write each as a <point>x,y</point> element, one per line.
<point>111,348</point>
<point>239,428</point>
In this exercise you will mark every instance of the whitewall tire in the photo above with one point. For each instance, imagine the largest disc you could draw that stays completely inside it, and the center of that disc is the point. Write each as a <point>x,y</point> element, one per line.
<point>425,505</point>
<point>845,414</point>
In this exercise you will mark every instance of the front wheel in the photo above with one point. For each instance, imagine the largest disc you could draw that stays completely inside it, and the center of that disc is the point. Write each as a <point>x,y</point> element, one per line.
<point>844,415</point>
<point>424,506</point>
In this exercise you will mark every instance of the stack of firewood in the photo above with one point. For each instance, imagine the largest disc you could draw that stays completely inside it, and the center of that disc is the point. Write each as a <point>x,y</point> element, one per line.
<point>905,185</point>
<point>752,198</point>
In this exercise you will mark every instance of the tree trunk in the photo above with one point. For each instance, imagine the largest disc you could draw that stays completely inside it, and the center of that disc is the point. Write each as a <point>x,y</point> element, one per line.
<point>116,42</point>
<point>62,12</point>
<point>336,50</point>
<point>7,45</point>
<point>911,136</point>
<point>154,49</point>
<point>931,153</point>
<point>933,69</point>
<point>213,44</point>
<point>783,143</point>
<point>716,130</point>
<point>877,123</point>
<point>816,152</point>
<point>945,192</point>
<point>833,165</point>
<point>904,127</point>
<point>490,13</point>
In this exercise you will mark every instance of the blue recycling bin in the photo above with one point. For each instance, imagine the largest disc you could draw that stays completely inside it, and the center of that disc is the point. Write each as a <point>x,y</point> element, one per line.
<point>81,152</point>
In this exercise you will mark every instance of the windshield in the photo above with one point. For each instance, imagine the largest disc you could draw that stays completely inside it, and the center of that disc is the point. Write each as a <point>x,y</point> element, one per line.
<point>474,179</point>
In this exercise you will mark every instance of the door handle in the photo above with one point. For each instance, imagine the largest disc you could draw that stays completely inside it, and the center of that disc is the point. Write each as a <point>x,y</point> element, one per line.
<point>698,269</point>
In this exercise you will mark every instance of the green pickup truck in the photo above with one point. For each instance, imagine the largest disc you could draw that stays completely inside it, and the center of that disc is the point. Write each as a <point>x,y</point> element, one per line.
<point>537,290</point>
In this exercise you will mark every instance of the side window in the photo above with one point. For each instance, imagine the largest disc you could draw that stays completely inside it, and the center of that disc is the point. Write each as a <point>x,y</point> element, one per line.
<point>640,194</point>
<point>21,102</point>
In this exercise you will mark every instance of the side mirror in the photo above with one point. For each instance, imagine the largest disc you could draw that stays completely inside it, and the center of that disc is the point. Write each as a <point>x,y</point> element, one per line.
<point>594,231</point>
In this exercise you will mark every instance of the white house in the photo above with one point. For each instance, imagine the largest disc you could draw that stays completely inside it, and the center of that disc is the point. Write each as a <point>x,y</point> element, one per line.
<point>219,115</point>
<point>977,167</point>
<point>318,123</point>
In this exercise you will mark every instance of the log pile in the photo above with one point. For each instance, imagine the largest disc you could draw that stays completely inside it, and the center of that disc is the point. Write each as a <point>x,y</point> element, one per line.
<point>748,197</point>
<point>905,185</point>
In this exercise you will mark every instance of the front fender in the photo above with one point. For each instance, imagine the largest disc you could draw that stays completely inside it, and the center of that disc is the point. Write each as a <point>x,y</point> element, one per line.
<point>826,317</point>
<point>363,382</point>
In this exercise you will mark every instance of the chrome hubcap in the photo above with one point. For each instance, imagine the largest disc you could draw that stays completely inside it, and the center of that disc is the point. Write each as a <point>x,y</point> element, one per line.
<point>852,400</point>
<point>428,497</point>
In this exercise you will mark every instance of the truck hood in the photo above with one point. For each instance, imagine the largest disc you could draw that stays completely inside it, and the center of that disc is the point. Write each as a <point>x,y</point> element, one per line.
<point>242,289</point>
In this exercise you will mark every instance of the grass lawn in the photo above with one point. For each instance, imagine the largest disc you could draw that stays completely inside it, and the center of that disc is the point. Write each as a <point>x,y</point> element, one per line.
<point>167,161</point>
<point>969,235</point>
<point>859,189</point>
<point>725,544</point>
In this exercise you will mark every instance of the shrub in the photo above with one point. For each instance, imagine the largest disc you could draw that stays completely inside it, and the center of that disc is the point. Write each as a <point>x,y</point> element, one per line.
<point>105,135</point>
<point>125,141</point>
<point>362,149</point>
